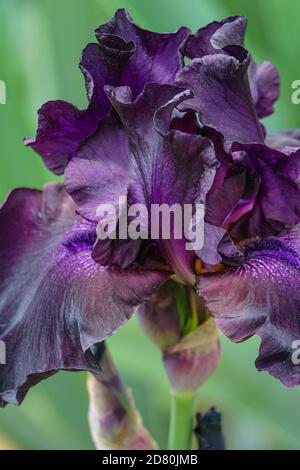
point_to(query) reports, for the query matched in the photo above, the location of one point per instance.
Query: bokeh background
(40, 44)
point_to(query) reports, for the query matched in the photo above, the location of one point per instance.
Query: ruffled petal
(217, 35)
(261, 296)
(135, 160)
(168, 166)
(157, 58)
(222, 94)
(62, 127)
(125, 55)
(141, 127)
(56, 302)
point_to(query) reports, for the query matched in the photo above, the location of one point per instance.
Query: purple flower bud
(178, 323)
(115, 422)
(194, 358)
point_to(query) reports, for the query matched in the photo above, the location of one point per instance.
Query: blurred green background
(40, 44)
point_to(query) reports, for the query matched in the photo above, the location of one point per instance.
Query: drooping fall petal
(261, 296)
(50, 312)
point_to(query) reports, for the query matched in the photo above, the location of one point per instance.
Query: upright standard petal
(222, 95)
(125, 55)
(50, 313)
(157, 58)
(217, 35)
(145, 142)
(167, 166)
(261, 296)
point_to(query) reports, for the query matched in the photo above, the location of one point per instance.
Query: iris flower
(171, 118)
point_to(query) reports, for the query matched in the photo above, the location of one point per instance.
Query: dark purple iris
(157, 131)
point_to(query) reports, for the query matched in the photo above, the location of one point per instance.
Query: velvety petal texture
(100, 171)
(234, 198)
(261, 296)
(217, 35)
(161, 166)
(157, 57)
(56, 302)
(145, 143)
(61, 129)
(277, 203)
(222, 94)
(157, 130)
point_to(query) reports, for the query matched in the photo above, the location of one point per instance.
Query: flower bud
(160, 319)
(193, 359)
(179, 324)
(114, 421)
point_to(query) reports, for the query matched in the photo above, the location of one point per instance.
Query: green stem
(182, 420)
